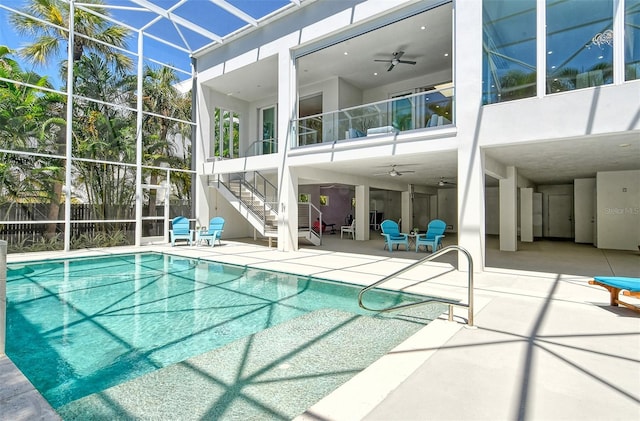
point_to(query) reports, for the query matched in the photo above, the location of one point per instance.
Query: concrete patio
(545, 345)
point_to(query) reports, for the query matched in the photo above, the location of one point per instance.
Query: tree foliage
(104, 120)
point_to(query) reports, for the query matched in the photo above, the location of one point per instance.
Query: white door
(268, 126)
(560, 216)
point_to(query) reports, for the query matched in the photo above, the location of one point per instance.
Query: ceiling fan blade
(391, 67)
(384, 61)
(407, 172)
(444, 182)
(398, 54)
(406, 62)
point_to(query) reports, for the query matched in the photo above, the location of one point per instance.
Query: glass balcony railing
(262, 147)
(424, 110)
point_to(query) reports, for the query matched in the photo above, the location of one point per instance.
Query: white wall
(448, 208)
(618, 210)
(381, 93)
(562, 189)
(547, 118)
(235, 226)
(526, 214)
(348, 95)
(421, 212)
(387, 202)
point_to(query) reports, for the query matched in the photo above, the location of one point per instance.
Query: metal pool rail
(451, 302)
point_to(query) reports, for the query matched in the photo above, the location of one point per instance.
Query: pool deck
(545, 345)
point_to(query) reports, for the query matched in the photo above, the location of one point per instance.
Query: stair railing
(451, 302)
(259, 187)
(307, 216)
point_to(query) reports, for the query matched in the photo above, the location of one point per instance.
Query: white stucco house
(516, 119)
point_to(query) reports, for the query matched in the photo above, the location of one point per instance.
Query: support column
(407, 210)
(69, 130)
(468, 119)
(362, 212)
(288, 210)
(139, 144)
(509, 211)
(287, 179)
(202, 145)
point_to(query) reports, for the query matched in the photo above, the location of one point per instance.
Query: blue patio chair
(180, 230)
(433, 237)
(213, 233)
(392, 235)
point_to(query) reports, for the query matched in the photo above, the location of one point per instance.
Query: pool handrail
(468, 305)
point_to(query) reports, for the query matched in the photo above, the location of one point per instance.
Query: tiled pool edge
(353, 400)
(19, 400)
(357, 397)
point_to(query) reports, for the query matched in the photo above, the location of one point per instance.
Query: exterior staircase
(256, 199)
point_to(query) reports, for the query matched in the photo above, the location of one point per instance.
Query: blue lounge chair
(392, 235)
(433, 237)
(213, 233)
(614, 284)
(180, 230)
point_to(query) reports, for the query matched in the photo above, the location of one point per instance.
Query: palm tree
(104, 132)
(48, 22)
(49, 40)
(24, 113)
(159, 134)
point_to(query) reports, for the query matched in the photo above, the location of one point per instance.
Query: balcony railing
(262, 147)
(418, 111)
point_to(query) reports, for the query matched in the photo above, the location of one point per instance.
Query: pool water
(77, 327)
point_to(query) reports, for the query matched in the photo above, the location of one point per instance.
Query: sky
(202, 13)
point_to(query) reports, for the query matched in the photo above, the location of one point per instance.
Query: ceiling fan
(395, 60)
(394, 173)
(444, 182)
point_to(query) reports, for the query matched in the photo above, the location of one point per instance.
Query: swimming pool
(78, 327)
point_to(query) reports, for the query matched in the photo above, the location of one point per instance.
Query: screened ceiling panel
(172, 29)
(192, 24)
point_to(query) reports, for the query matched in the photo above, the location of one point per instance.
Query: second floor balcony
(424, 110)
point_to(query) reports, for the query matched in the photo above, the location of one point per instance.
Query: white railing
(423, 110)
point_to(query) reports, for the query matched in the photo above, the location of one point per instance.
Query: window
(226, 133)
(310, 129)
(509, 44)
(632, 39)
(402, 112)
(579, 44)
